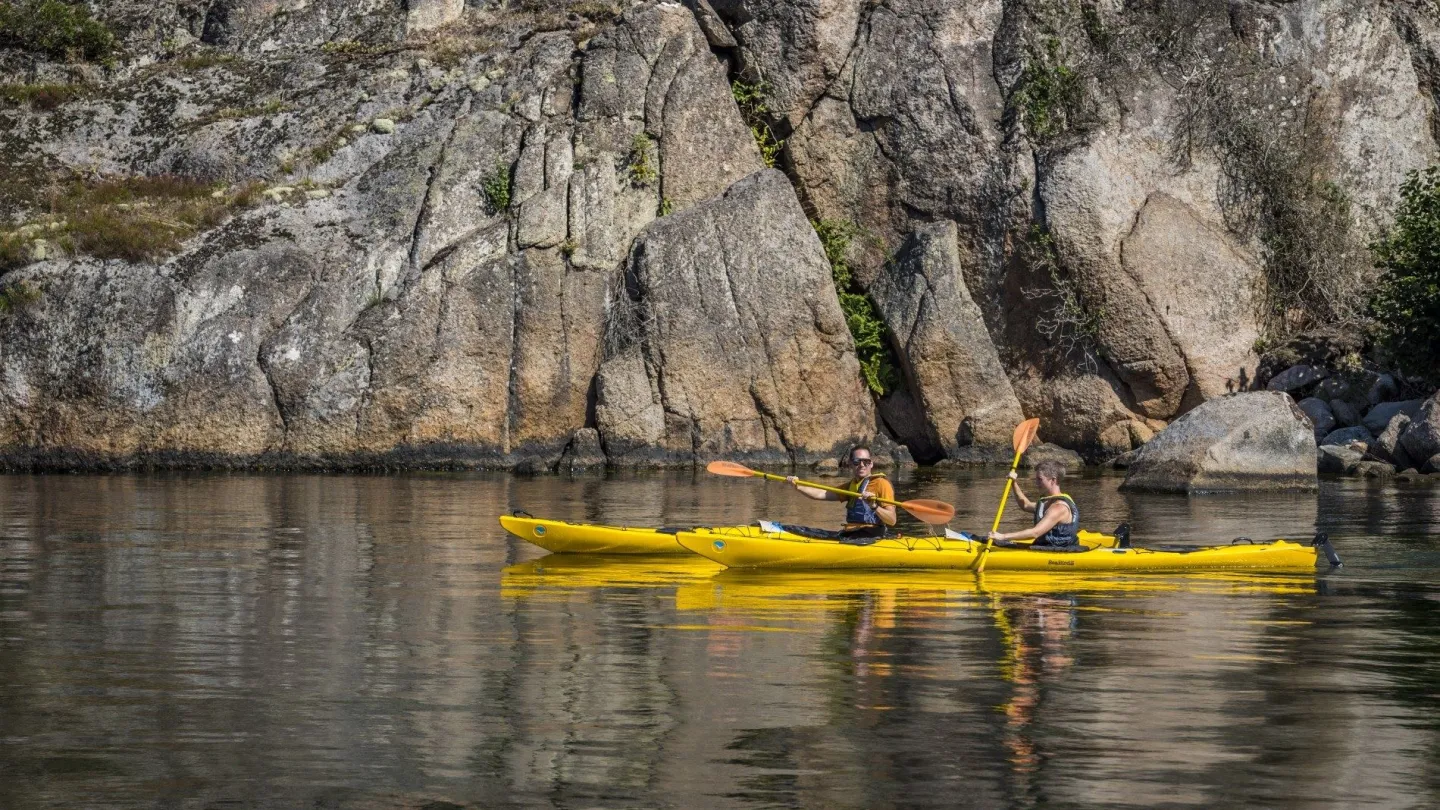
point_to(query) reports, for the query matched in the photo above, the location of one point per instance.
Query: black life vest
(860, 512)
(1062, 534)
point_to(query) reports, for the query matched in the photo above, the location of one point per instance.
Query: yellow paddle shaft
(1009, 482)
(836, 490)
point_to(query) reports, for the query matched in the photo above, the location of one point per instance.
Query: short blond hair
(1053, 470)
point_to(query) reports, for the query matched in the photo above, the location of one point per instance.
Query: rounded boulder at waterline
(1253, 441)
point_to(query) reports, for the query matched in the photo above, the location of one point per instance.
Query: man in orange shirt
(864, 518)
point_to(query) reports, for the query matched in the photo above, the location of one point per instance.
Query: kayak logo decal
(539, 531)
(719, 545)
(1062, 562)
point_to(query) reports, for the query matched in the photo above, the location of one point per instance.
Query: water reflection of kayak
(702, 585)
(787, 592)
(753, 547)
(557, 574)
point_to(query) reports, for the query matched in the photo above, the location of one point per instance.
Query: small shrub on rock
(1406, 299)
(641, 161)
(1069, 326)
(755, 109)
(17, 296)
(872, 345)
(496, 186)
(1051, 92)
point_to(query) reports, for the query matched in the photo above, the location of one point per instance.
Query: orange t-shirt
(880, 487)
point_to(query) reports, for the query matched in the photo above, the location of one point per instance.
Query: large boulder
(1345, 414)
(1347, 388)
(950, 361)
(1348, 436)
(1387, 446)
(1051, 452)
(1319, 415)
(1253, 441)
(1084, 412)
(1422, 438)
(1380, 415)
(1335, 460)
(716, 349)
(1370, 469)
(1296, 377)
(1203, 289)
(1382, 389)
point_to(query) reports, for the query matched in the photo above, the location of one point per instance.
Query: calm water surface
(378, 642)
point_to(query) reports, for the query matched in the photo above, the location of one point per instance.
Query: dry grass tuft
(132, 218)
(39, 96)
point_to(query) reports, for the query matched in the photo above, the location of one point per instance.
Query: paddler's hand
(1014, 476)
(994, 537)
(869, 497)
(792, 481)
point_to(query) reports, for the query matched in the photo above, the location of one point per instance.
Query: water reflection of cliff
(354, 642)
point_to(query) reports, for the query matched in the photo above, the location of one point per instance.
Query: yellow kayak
(590, 538)
(752, 547)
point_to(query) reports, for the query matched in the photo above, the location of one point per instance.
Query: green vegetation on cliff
(641, 161)
(496, 186)
(750, 98)
(1266, 126)
(1051, 92)
(872, 345)
(1406, 301)
(58, 29)
(1071, 328)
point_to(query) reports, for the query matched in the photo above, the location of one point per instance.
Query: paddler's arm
(1025, 504)
(1055, 514)
(886, 512)
(811, 492)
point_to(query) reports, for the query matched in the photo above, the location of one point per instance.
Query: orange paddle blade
(1025, 434)
(729, 468)
(932, 512)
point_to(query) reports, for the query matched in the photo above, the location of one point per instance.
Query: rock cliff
(452, 233)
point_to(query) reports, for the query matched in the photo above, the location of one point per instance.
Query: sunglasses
(859, 461)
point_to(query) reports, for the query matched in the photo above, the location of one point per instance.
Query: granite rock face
(1254, 441)
(950, 362)
(717, 350)
(402, 317)
(457, 286)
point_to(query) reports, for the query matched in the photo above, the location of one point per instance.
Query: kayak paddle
(936, 513)
(1024, 434)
